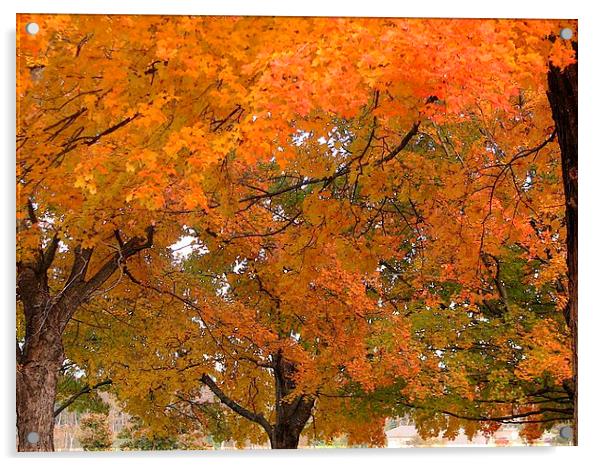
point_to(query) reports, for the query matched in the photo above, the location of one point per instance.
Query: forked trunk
(292, 412)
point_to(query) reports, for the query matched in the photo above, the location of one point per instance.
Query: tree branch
(499, 283)
(83, 391)
(344, 170)
(50, 252)
(294, 187)
(234, 406)
(128, 249)
(519, 418)
(90, 140)
(31, 212)
(79, 268)
(402, 145)
(290, 222)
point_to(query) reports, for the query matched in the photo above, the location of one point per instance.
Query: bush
(95, 433)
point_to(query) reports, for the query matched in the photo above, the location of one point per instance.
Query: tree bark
(36, 390)
(562, 95)
(291, 413)
(284, 437)
(38, 361)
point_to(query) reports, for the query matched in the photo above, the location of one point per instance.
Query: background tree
(267, 336)
(136, 437)
(95, 433)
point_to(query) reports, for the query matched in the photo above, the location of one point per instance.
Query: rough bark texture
(562, 95)
(37, 374)
(38, 361)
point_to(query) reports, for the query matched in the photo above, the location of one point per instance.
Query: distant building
(407, 436)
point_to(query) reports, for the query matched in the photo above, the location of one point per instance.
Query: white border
(433, 8)
(590, 265)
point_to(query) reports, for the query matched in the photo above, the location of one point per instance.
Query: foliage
(375, 203)
(72, 389)
(136, 436)
(95, 433)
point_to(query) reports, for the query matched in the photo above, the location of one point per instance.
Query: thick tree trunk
(284, 437)
(37, 376)
(38, 361)
(562, 95)
(291, 414)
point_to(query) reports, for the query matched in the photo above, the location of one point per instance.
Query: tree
(136, 437)
(562, 94)
(95, 433)
(421, 154)
(268, 334)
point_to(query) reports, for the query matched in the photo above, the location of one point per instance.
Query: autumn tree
(95, 433)
(267, 335)
(213, 128)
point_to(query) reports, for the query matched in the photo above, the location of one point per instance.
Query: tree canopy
(320, 221)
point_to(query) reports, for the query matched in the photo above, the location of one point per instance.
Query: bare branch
(129, 248)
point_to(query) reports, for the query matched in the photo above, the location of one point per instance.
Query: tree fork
(291, 414)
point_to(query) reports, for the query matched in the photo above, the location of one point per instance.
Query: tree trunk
(37, 377)
(38, 361)
(284, 437)
(291, 413)
(562, 95)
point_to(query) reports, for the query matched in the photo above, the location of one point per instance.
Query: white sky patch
(198, 321)
(185, 246)
(261, 255)
(224, 287)
(528, 183)
(239, 266)
(76, 371)
(300, 136)
(219, 367)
